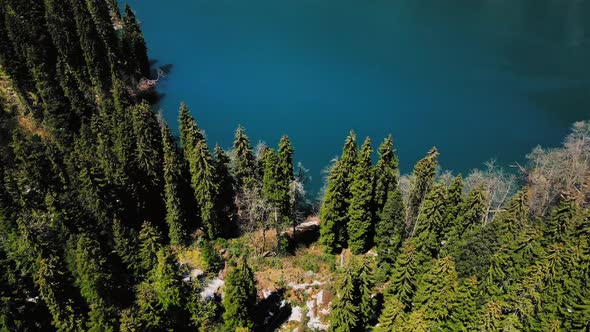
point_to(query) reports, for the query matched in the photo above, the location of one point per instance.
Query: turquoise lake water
(479, 79)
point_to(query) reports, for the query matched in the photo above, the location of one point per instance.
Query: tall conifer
(360, 225)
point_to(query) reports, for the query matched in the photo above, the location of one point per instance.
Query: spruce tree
(240, 298)
(190, 133)
(491, 317)
(150, 243)
(225, 207)
(385, 174)
(285, 177)
(422, 180)
(438, 291)
(453, 202)
(416, 321)
(360, 224)
(390, 227)
(203, 181)
(560, 225)
(333, 212)
(345, 315)
(393, 317)
(176, 215)
(134, 49)
(366, 282)
(465, 317)
(402, 283)
(244, 167)
(430, 223)
(472, 213)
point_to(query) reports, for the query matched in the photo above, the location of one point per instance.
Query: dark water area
(479, 79)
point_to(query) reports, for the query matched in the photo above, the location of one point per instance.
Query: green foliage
(133, 46)
(402, 284)
(385, 174)
(203, 181)
(150, 243)
(345, 314)
(334, 213)
(225, 207)
(390, 227)
(240, 297)
(393, 317)
(438, 292)
(422, 180)
(244, 167)
(429, 227)
(360, 226)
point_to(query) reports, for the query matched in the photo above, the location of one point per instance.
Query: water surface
(479, 79)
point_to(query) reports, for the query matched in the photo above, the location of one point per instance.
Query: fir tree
(285, 177)
(190, 133)
(472, 213)
(360, 225)
(422, 180)
(402, 283)
(333, 213)
(559, 227)
(453, 203)
(390, 227)
(385, 174)
(240, 298)
(491, 318)
(416, 321)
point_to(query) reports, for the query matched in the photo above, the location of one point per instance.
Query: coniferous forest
(109, 222)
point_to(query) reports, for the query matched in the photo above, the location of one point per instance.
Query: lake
(479, 79)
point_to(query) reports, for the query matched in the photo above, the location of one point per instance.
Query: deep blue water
(479, 79)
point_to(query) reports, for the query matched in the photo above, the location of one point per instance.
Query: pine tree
(134, 49)
(402, 283)
(360, 225)
(422, 180)
(225, 200)
(429, 225)
(438, 291)
(203, 181)
(390, 227)
(393, 317)
(385, 174)
(333, 213)
(345, 314)
(176, 215)
(244, 167)
(240, 298)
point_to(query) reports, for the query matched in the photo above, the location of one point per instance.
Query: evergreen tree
(244, 167)
(422, 180)
(429, 225)
(203, 181)
(491, 318)
(176, 215)
(134, 49)
(560, 225)
(333, 213)
(511, 222)
(190, 133)
(225, 200)
(393, 317)
(385, 174)
(438, 291)
(366, 283)
(285, 177)
(472, 213)
(240, 297)
(416, 321)
(402, 283)
(453, 203)
(149, 244)
(345, 314)
(360, 225)
(390, 227)
(465, 316)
